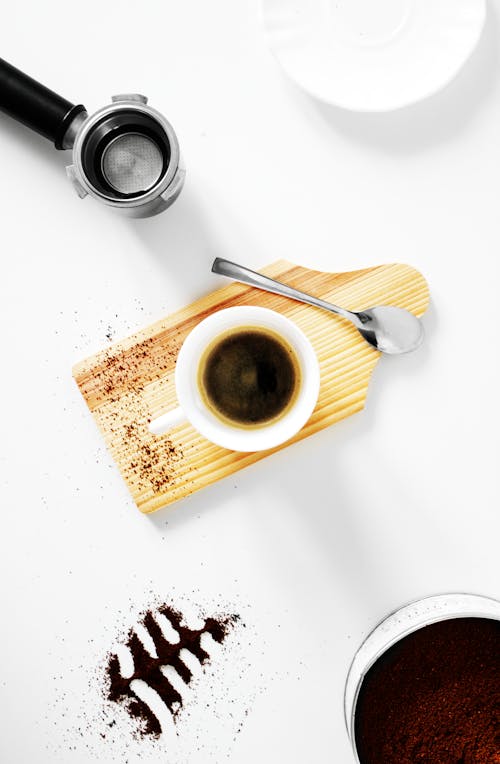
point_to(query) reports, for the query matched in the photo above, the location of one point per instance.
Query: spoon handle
(246, 276)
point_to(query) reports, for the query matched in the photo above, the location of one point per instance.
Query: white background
(318, 543)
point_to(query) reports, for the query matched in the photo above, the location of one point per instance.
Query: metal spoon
(389, 329)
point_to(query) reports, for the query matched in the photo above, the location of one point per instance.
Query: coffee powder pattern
(149, 668)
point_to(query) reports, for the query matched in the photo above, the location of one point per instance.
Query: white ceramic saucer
(372, 55)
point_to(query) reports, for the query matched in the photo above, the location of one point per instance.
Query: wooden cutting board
(132, 382)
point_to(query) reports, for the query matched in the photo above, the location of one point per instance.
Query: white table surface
(316, 544)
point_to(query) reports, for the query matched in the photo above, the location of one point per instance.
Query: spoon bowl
(391, 330)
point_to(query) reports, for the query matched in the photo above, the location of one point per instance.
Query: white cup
(192, 407)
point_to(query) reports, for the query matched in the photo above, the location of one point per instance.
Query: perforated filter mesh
(132, 163)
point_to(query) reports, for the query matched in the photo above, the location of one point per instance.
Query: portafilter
(125, 155)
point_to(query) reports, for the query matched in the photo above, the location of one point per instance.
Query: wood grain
(132, 382)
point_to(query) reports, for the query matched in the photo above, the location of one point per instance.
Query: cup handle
(165, 422)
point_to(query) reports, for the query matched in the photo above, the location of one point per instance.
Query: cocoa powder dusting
(148, 668)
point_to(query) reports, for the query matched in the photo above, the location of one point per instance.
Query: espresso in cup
(246, 377)
(249, 377)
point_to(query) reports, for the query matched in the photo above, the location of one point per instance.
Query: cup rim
(229, 436)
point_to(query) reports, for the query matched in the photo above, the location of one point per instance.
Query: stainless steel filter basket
(126, 155)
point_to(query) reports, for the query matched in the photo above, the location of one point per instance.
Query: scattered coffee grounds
(121, 379)
(149, 670)
(154, 459)
(123, 370)
(434, 697)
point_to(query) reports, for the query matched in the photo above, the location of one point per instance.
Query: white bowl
(372, 55)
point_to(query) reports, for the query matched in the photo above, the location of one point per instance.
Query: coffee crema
(249, 377)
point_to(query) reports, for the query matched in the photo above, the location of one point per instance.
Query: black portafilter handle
(36, 106)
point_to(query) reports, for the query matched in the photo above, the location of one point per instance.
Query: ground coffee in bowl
(424, 687)
(434, 697)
